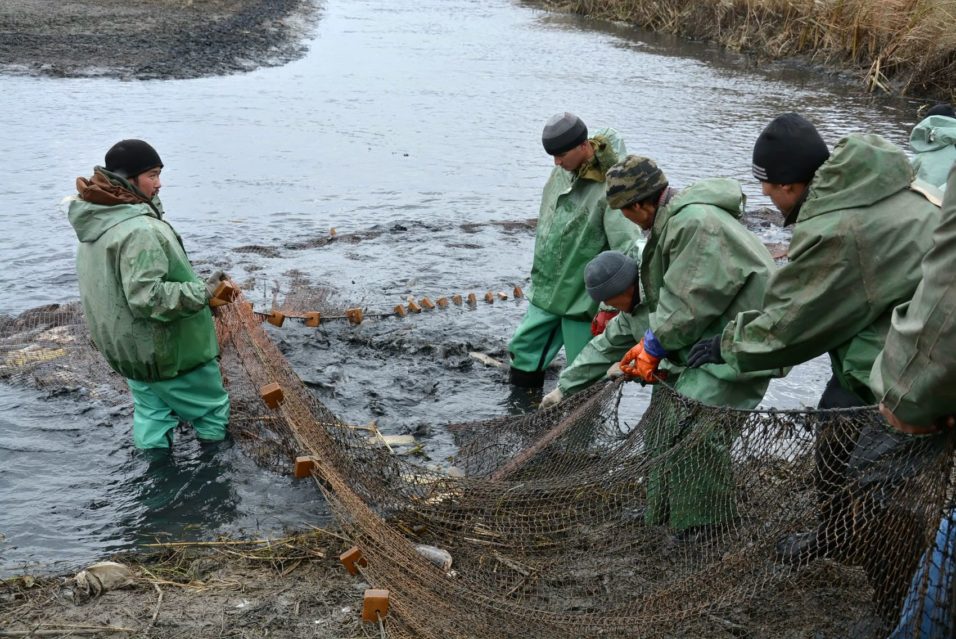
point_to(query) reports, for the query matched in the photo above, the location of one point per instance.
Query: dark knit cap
(942, 109)
(129, 158)
(609, 274)
(562, 133)
(789, 150)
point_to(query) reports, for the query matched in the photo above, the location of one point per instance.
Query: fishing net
(697, 521)
(49, 348)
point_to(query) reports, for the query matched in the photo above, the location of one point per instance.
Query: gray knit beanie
(609, 274)
(562, 133)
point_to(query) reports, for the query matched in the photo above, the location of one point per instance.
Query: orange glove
(640, 364)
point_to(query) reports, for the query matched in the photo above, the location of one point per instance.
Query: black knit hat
(562, 133)
(942, 109)
(129, 158)
(789, 150)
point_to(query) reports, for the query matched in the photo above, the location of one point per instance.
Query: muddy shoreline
(151, 39)
(287, 587)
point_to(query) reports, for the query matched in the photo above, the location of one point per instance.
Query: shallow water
(401, 125)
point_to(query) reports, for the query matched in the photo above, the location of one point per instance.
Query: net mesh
(566, 522)
(49, 348)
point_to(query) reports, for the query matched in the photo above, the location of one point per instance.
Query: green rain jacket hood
(574, 225)
(854, 255)
(146, 309)
(934, 141)
(699, 269)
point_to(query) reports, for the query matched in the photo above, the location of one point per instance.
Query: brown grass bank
(287, 588)
(898, 46)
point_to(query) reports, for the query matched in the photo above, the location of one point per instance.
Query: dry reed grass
(899, 46)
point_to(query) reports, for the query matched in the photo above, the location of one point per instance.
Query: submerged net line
(554, 520)
(302, 306)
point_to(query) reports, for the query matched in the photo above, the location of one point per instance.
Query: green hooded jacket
(854, 255)
(699, 269)
(147, 310)
(915, 375)
(574, 225)
(934, 141)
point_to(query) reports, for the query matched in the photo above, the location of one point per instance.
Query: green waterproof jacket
(934, 141)
(147, 310)
(574, 225)
(699, 269)
(915, 375)
(854, 255)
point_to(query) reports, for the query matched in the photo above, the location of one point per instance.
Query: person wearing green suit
(699, 268)
(147, 310)
(914, 378)
(861, 225)
(574, 225)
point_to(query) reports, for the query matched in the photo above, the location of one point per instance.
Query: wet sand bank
(150, 39)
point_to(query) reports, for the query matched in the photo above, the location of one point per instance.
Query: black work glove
(706, 351)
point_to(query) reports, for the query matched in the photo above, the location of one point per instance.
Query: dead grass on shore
(290, 587)
(899, 46)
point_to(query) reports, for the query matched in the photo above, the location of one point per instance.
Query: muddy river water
(412, 127)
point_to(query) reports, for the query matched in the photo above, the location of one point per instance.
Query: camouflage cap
(631, 180)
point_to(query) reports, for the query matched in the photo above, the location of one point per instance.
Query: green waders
(197, 397)
(539, 338)
(689, 481)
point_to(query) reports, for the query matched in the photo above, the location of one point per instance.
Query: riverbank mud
(294, 587)
(286, 587)
(150, 39)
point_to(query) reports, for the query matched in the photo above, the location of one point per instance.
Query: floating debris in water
(487, 360)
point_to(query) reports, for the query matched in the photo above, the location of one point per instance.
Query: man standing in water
(860, 230)
(574, 225)
(147, 311)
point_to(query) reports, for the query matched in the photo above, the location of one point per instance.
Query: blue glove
(652, 346)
